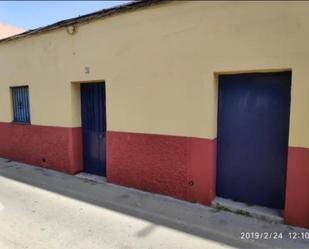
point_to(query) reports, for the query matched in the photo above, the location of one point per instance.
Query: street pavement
(41, 208)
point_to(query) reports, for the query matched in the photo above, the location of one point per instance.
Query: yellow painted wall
(160, 65)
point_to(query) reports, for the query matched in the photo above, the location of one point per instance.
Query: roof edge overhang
(88, 18)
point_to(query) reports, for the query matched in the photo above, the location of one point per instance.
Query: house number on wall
(87, 70)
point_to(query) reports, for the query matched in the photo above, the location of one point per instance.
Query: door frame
(76, 112)
(216, 121)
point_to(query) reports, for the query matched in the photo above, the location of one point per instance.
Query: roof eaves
(88, 17)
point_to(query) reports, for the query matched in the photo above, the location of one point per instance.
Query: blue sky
(34, 14)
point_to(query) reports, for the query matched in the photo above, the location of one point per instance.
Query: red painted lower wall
(181, 167)
(297, 191)
(56, 148)
(201, 163)
(185, 168)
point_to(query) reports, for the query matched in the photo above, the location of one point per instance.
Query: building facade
(155, 74)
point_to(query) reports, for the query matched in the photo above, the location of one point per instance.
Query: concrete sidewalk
(41, 208)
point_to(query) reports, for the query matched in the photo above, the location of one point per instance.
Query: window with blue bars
(21, 107)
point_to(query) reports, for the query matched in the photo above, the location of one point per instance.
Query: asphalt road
(40, 208)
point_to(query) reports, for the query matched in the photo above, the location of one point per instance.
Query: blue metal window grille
(21, 108)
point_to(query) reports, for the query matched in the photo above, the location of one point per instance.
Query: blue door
(253, 128)
(93, 127)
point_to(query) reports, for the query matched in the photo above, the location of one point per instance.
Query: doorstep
(264, 213)
(91, 177)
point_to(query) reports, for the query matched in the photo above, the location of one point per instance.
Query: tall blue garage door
(93, 127)
(253, 128)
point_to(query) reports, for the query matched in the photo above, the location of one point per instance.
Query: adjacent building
(8, 30)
